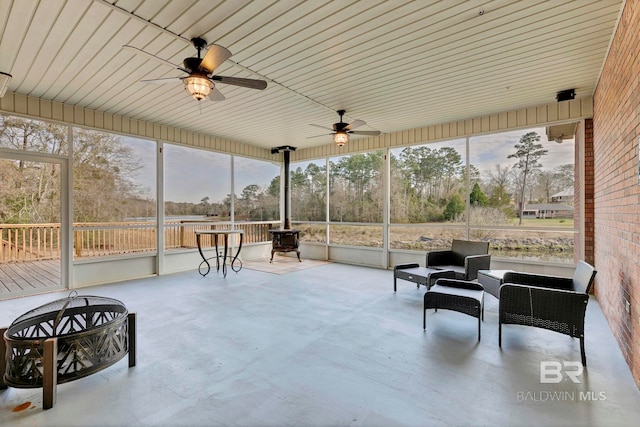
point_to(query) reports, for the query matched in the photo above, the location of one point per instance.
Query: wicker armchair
(465, 258)
(549, 302)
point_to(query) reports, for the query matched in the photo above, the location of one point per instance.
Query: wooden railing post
(77, 243)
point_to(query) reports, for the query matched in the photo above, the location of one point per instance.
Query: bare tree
(498, 186)
(546, 185)
(104, 171)
(528, 152)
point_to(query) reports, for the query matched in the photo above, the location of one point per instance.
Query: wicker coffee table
(420, 275)
(491, 280)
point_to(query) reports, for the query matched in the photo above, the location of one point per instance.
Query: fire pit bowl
(65, 340)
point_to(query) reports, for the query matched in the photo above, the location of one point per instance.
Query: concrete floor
(331, 345)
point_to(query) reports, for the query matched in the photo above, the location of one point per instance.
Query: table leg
(236, 256)
(215, 237)
(203, 258)
(224, 258)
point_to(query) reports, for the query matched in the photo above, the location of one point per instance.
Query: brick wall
(616, 129)
(589, 175)
(577, 194)
(584, 136)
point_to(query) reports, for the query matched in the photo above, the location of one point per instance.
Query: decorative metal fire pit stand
(65, 340)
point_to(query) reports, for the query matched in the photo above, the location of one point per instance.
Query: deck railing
(31, 242)
(181, 234)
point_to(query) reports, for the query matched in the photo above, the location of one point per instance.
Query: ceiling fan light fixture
(341, 138)
(198, 87)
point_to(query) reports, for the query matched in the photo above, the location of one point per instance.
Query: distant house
(530, 213)
(547, 210)
(565, 196)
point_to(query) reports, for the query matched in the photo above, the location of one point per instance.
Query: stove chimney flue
(286, 150)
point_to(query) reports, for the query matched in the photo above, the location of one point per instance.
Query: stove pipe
(286, 149)
(287, 208)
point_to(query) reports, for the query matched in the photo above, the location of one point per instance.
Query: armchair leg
(499, 334)
(481, 314)
(424, 318)
(582, 353)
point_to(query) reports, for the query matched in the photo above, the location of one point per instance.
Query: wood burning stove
(285, 241)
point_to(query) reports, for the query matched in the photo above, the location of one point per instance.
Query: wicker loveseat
(549, 302)
(465, 258)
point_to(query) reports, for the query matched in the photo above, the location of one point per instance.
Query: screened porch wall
(146, 265)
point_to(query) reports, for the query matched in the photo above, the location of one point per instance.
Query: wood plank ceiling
(395, 64)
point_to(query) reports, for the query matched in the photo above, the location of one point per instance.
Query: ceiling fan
(199, 82)
(342, 130)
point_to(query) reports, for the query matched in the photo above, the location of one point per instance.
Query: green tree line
(427, 184)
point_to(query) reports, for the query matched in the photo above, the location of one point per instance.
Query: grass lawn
(546, 222)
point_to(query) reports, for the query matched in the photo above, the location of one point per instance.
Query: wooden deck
(21, 278)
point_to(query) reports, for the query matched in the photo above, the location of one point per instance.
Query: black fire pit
(65, 340)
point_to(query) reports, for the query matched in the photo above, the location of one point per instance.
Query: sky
(191, 174)
(487, 151)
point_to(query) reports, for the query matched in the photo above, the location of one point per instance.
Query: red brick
(615, 188)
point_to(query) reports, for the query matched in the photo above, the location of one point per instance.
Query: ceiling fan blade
(216, 95)
(365, 132)
(322, 127)
(162, 80)
(238, 81)
(215, 56)
(356, 124)
(153, 57)
(318, 136)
